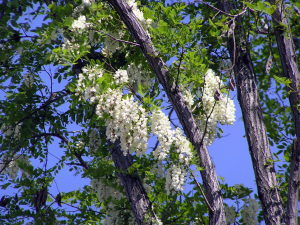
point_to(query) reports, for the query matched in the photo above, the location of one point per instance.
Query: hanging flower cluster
(12, 131)
(168, 138)
(188, 98)
(70, 46)
(82, 6)
(161, 127)
(127, 121)
(94, 141)
(218, 108)
(175, 179)
(80, 24)
(106, 193)
(137, 75)
(121, 76)
(11, 166)
(87, 87)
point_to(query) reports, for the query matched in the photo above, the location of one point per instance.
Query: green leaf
(282, 80)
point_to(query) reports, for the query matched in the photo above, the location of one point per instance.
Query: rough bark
(290, 70)
(254, 125)
(209, 177)
(136, 194)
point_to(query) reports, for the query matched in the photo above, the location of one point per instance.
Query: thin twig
(178, 68)
(169, 116)
(201, 190)
(221, 11)
(120, 40)
(65, 140)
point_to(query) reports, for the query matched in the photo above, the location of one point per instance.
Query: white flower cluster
(80, 24)
(175, 179)
(86, 84)
(137, 76)
(56, 33)
(87, 3)
(182, 147)
(138, 13)
(110, 195)
(220, 110)
(128, 121)
(104, 191)
(121, 76)
(10, 131)
(160, 126)
(188, 98)
(71, 46)
(12, 169)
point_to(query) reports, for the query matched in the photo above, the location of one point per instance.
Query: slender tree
(253, 119)
(290, 69)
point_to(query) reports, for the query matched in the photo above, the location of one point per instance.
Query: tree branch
(65, 141)
(191, 129)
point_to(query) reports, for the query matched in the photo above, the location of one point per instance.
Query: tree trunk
(136, 194)
(254, 126)
(209, 177)
(290, 70)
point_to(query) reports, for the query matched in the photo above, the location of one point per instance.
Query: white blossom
(175, 179)
(107, 193)
(14, 131)
(161, 127)
(71, 46)
(182, 146)
(80, 24)
(188, 98)
(87, 86)
(138, 13)
(221, 110)
(94, 141)
(137, 76)
(10, 166)
(128, 121)
(87, 3)
(12, 169)
(121, 76)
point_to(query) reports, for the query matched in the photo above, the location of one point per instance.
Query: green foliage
(39, 107)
